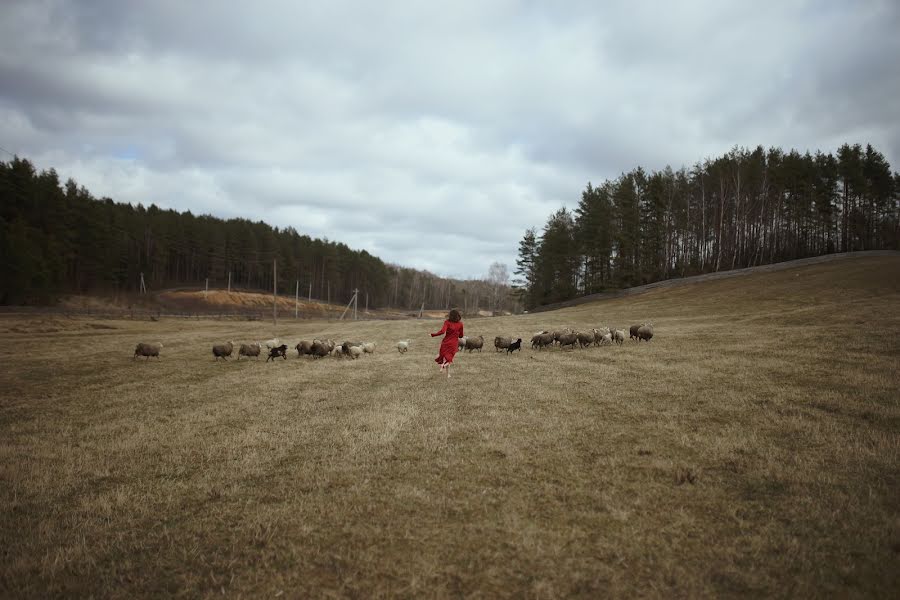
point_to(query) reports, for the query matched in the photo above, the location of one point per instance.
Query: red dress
(450, 344)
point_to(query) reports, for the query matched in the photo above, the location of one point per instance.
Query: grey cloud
(370, 123)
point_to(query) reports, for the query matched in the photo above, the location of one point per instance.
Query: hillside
(750, 449)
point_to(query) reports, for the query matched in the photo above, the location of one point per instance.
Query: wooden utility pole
(346, 308)
(310, 292)
(206, 291)
(355, 302)
(422, 310)
(275, 292)
(229, 282)
(296, 299)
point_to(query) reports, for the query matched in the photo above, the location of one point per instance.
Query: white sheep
(403, 346)
(274, 342)
(369, 347)
(619, 336)
(355, 352)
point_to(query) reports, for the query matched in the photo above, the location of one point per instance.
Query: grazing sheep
(369, 347)
(606, 338)
(148, 350)
(273, 343)
(561, 332)
(403, 346)
(516, 345)
(645, 332)
(303, 347)
(619, 336)
(355, 351)
(502, 343)
(634, 331)
(462, 343)
(278, 351)
(473, 343)
(585, 338)
(249, 350)
(541, 340)
(223, 351)
(568, 339)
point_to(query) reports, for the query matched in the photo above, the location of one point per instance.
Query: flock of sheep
(318, 348)
(595, 337)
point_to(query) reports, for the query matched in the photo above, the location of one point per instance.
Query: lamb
(606, 338)
(223, 351)
(502, 343)
(303, 347)
(645, 332)
(278, 351)
(403, 346)
(369, 347)
(249, 350)
(568, 339)
(585, 338)
(462, 343)
(542, 339)
(273, 343)
(473, 343)
(619, 336)
(634, 331)
(516, 345)
(355, 351)
(148, 350)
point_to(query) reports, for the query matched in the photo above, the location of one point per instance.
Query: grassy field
(752, 448)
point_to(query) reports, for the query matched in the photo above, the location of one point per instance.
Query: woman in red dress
(453, 327)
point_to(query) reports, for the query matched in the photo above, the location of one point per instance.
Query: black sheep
(278, 351)
(516, 345)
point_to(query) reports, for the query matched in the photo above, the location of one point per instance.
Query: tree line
(745, 208)
(57, 239)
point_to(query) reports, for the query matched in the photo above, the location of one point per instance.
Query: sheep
(319, 349)
(585, 338)
(273, 343)
(403, 346)
(645, 332)
(542, 339)
(369, 347)
(516, 345)
(276, 352)
(473, 343)
(619, 336)
(598, 335)
(249, 350)
(462, 343)
(634, 331)
(560, 332)
(606, 338)
(502, 343)
(223, 351)
(355, 351)
(303, 347)
(568, 339)
(148, 350)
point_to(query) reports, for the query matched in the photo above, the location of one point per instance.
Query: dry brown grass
(750, 449)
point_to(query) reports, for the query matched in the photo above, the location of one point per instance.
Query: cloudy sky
(431, 134)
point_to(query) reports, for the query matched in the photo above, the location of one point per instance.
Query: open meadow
(752, 448)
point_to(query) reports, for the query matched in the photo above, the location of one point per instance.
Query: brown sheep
(223, 351)
(645, 332)
(473, 343)
(568, 339)
(634, 331)
(148, 350)
(249, 350)
(585, 338)
(542, 339)
(303, 347)
(502, 343)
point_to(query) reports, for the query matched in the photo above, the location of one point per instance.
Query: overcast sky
(430, 134)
